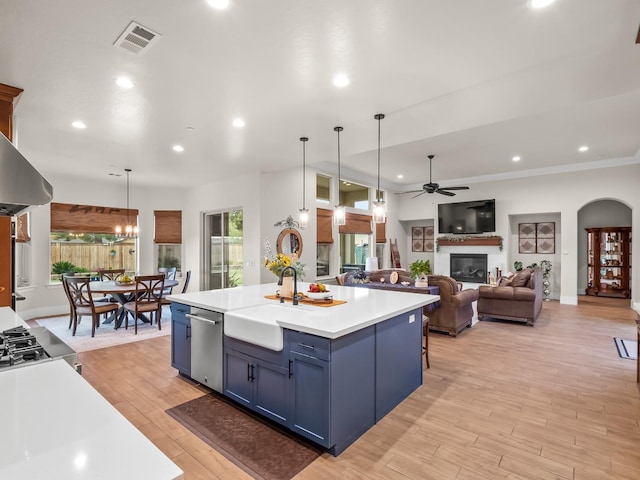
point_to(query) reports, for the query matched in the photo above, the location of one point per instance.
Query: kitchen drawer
(179, 311)
(310, 345)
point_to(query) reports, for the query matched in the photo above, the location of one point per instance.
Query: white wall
(560, 195)
(268, 198)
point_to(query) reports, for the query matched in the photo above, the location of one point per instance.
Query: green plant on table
(420, 268)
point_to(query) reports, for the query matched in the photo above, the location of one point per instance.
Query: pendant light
(303, 219)
(129, 230)
(379, 215)
(339, 214)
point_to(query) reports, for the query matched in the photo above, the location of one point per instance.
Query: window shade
(168, 226)
(324, 220)
(356, 223)
(73, 218)
(381, 232)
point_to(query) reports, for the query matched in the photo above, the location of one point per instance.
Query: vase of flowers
(277, 263)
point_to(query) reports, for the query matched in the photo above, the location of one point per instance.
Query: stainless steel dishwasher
(206, 347)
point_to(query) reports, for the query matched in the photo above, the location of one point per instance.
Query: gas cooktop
(20, 346)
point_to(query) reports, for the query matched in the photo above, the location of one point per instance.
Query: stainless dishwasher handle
(203, 319)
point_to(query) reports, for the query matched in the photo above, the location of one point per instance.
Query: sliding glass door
(223, 249)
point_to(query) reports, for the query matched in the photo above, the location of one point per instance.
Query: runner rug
(258, 447)
(626, 348)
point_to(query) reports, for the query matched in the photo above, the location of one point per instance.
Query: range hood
(21, 186)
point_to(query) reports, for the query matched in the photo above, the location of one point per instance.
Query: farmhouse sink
(259, 325)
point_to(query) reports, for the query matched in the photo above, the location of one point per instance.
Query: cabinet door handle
(188, 331)
(248, 372)
(252, 375)
(308, 347)
(290, 369)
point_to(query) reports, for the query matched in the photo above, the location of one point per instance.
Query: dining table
(122, 293)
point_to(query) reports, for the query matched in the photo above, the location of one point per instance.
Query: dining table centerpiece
(278, 262)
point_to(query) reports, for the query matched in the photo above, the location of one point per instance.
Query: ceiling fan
(434, 187)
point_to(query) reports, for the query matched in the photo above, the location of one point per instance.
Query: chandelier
(129, 229)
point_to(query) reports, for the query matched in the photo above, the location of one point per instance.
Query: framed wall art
(422, 239)
(537, 237)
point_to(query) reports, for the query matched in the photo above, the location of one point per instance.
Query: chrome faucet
(295, 284)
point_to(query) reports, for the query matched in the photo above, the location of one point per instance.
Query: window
(354, 195)
(355, 237)
(168, 238)
(323, 189)
(83, 239)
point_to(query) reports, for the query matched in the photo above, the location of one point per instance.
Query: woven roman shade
(356, 223)
(324, 219)
(381, 232)
(168, 226)
(73, 218)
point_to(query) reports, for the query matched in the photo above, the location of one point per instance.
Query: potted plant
(419, 270)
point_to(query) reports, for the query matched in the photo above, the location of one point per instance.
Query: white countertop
(364, 306)
(56, 426)
(10, 319)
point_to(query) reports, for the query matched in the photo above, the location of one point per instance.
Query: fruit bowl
(318, 295)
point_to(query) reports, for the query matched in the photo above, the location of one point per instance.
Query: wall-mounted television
(467, 217)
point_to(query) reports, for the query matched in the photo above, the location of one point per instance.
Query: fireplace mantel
(470, 241)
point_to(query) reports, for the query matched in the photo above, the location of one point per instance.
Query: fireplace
(468, 267)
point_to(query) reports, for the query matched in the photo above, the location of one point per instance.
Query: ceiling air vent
(136, 38)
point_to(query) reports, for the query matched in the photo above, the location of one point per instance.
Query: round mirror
(289, 241)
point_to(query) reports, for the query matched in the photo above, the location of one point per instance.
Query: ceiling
(473, 82)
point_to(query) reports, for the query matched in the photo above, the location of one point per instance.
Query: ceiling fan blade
(455, 188)
(444, 192)
(409, 191)
(423, 192)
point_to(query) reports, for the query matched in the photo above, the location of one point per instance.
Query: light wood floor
(500, 401)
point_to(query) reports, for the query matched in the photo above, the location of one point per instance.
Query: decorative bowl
(318, 295)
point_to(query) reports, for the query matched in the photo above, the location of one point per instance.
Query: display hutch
(609, 261)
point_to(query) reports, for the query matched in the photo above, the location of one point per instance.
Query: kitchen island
(328, 373)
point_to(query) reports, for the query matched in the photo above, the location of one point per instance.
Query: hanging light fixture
(129, 230)
(339, 215)
(303, 219)
(379, 215)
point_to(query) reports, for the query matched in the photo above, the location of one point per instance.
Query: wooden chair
(169, 274)
(148, 299)
(72, 309)
(187, 279)
(111, 275)
(79, 293)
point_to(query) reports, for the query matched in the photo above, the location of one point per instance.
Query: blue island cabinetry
(330, 391)
(181, 338)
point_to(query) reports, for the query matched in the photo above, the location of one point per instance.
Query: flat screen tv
(467, 217)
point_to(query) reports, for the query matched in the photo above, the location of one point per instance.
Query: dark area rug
(260, 448)
(626, 348)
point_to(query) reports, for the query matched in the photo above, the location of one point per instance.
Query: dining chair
(187, 279)
(148, 299)
(169, 274)
(81, 299)
(72, 308)
(111, 275)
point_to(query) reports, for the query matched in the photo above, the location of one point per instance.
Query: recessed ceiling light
(583, 148)
(341, 80)
(218, 4)
(238, 123)
(400, 176)
(540, 3)
(124, 82)
(79, 124)
(516, 158)
(178, 148)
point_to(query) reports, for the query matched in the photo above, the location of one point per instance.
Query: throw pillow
(521, 279)
(360, 277)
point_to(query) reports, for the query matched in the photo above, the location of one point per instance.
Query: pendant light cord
(338, 129)
(304, 140)
(127, 170)
(378, 117)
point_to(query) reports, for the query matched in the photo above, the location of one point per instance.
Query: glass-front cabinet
(609, 262)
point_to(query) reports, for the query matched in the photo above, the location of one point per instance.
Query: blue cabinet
(258, 379)
(181, 338)
(398, 362)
